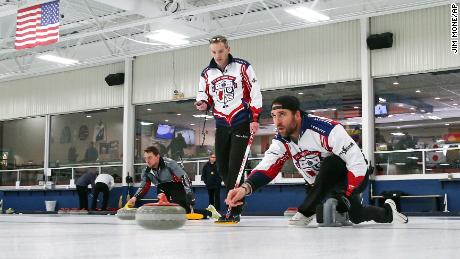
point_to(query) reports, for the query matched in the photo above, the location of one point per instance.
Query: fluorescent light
(396, 83)
(444, 164)
(356, 107)
(300, 93)
(382, 100)
(412, 108)
(455, 104)
(168, 37)
(418, 91)
(397, 133)
(179, 114)
(144, 123)
(56, 59)
(192, 124)
(413, 157)
(307, 14)
(88, 116)
(202, 116)
(148, 109)
(437, 98)
(447, 124)
(166, 120)
(400, 163)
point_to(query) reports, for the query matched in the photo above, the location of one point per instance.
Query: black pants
(101, 187)
(231, 143)
(175, 193)
(83, 196)
(214, 197)
(332, 182)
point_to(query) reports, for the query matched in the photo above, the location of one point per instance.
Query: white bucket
(50, 205)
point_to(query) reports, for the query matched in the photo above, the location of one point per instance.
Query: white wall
(78, 90)
(307, 56)
(421, 42)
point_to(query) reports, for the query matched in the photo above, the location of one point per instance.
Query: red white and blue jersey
(234, 92)
(319, 137)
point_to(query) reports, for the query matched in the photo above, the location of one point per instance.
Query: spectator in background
(162, 148)
(104, 184)
(91, 154)
(82, 183)
(177, 147)
(210, 176)
(72, 154)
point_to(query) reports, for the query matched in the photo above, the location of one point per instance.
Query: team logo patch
(308, 161)
(224, 88)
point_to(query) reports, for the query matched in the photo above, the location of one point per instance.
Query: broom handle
(243, 165)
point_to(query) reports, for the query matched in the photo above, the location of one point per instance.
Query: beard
(287, 131)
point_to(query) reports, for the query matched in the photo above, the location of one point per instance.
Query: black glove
(190, 198)
(344, 204)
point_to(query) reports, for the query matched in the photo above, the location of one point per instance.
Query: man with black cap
(328, 159)
(229, 86)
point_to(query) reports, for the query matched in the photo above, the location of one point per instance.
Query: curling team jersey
(168, 171)
(319, 137)
(234, 92)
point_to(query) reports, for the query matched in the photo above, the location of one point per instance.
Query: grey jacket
(168, 171)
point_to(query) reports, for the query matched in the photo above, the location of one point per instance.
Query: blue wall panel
(269, 200)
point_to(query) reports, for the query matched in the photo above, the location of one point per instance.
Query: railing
(418, 161)
(402, 164)
(63, 177)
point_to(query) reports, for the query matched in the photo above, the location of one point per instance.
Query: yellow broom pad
(194, 216)
(226, 222)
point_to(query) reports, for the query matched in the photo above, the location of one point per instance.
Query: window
(22, 145)
(422, 123)
(86, 138)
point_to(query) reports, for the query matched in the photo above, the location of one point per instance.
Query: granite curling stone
(126, 213)
(161, 215)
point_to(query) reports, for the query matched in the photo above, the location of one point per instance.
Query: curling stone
(161, 215)
(290, 212)
(327, 215)
(126, 213)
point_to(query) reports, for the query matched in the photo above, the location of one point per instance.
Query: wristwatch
(247, 187)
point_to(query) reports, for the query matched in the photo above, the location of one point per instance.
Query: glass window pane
(22, 143)
(419, 111)
(86, 138)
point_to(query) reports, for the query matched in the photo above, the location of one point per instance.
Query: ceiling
(106, 31)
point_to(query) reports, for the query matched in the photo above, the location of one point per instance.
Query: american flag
(37, 25)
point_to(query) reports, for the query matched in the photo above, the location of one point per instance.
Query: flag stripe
(30, 14)
(36, 37)
(39, 31)
(23, 10)
(27, 23)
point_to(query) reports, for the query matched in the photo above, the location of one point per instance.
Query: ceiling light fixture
(307, 14)
(57, 59)
(168, 37)
(144, 123)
